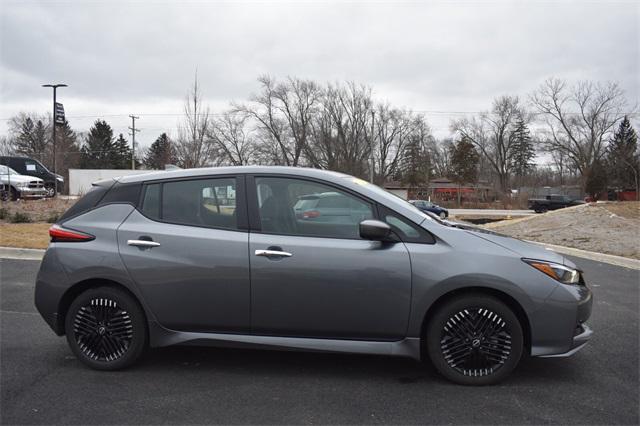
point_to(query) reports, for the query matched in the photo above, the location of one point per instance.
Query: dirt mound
(611, 228)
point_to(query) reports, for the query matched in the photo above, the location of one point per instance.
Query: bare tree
(342, 134)
(284, 112)
(493, 135)
(439, 153)
(193, 146)
(579, 119)
(233, 137)
(393, 129)
(7, 145)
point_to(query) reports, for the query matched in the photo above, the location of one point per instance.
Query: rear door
(186, 248)
(314, 276)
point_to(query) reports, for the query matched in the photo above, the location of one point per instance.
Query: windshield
(391, 196)
(4, 170)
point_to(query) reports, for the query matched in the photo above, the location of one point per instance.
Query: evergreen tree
(415, 164)
(523, 151)
(121, 154)
(67, 150)
(98, 149)
(463, 163)
(33, 137)
(622, 158)
(597, 180)
(160, 153)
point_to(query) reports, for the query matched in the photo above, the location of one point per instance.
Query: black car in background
(430, 207)
(552, 202)
(53, 183)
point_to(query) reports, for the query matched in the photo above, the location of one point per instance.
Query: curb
(591, 255)
(21, 253)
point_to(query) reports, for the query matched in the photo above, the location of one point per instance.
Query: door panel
(197, 279)
(330, 287)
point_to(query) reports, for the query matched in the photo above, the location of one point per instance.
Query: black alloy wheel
(106, 328)
(475, 340)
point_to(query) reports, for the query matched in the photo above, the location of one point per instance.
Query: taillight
(59, 234)
(310, 214)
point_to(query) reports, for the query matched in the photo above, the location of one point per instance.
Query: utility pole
(133, 140)
(54, 86)
(373, 117)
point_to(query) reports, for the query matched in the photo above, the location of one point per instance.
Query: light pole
(54, 86)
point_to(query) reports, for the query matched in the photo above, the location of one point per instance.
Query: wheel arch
(505, 298)
(80, 287)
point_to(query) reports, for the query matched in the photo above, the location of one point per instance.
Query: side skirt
(407, 347)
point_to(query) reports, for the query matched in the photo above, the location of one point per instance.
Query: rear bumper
(51, 285)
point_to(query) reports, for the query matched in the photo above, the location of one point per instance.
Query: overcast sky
(124, 57)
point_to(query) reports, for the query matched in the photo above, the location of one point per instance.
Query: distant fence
(80, 180)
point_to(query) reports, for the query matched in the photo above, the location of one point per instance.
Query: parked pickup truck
(552, 202)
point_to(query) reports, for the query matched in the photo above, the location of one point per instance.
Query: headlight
(59, 178)
(558, 272)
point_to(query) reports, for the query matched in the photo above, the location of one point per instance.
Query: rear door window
(197, 202)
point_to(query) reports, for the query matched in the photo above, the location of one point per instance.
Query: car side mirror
(375, 230)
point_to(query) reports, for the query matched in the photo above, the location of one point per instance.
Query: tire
(474, 339)
(106, 328)
(443, 215)
(13, 194)
(51, 190)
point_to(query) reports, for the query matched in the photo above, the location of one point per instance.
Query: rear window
(87, 202)
(119, 193)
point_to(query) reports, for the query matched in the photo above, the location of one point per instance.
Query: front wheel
(51, 190)
(106, 328)
(474, 340)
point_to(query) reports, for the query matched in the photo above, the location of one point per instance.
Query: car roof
(208, 171)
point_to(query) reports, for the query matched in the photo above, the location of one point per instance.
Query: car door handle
(272, 253)
(142, 243)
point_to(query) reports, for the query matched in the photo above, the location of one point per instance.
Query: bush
(4, 213)
(20, 218)
(53, 218)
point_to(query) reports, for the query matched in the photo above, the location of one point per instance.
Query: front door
(311, 273)
(185, 251)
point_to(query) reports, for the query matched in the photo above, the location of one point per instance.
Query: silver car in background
(15, 185)
(234, 256)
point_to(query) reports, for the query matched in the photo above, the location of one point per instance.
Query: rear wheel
(474, 340)
(106, 328)
(443, 215)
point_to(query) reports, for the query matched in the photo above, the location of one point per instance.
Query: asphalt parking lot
(42, 383)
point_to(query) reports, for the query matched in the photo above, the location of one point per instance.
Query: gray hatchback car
(220, 256)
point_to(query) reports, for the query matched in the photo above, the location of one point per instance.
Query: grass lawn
(24, 235)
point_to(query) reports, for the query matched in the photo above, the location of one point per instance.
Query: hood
(519, 247)
(20, 178)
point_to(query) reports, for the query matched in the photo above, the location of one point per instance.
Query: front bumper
(558, 327)
(26, 192)
(579, 341)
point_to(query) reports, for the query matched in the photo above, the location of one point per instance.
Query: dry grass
(44, 210)
(627, 209)
(24, 235)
